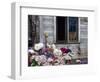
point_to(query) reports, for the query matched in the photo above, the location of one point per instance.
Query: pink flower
(65, 50)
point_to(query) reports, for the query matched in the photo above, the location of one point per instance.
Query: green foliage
(34, 63)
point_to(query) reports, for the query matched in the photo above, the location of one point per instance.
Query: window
(66, 29)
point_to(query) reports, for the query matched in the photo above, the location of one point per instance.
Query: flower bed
(43, 55)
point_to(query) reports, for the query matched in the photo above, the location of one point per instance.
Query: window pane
(60, 23)
(73, 29)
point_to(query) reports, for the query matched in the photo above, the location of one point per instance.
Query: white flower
(57, 52)
(37, 58)
(67, 57)
(53, 46)
(60, 52)
(38, 46)
(31, 51)
(78, 61)
(41, 45)
(43, 58)
(40, 59)
(50, 60)
(48, 45)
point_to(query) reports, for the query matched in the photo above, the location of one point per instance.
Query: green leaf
(34, 63)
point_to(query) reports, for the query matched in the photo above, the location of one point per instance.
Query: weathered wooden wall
(47, 24)
(83, 36)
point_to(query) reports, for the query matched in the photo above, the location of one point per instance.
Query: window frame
(66, 41)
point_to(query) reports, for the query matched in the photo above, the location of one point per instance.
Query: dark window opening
(61, 29)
